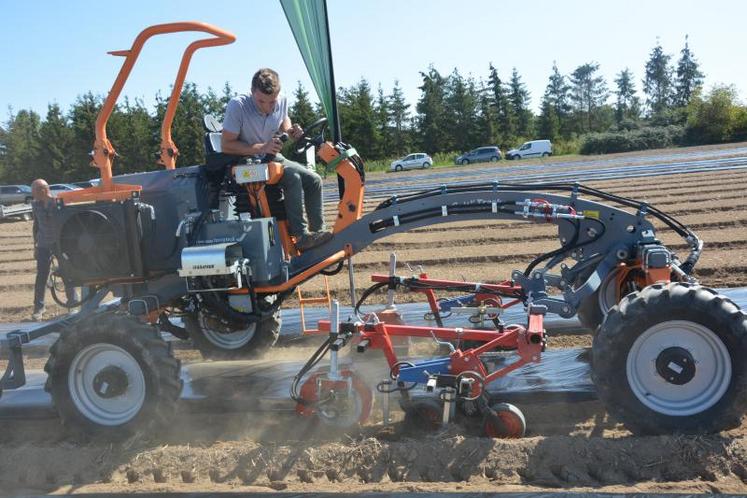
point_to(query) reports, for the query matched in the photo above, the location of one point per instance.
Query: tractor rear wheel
(111, 375)
(670, 358)
(217, 341)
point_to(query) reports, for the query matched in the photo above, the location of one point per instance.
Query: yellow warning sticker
(591, 214)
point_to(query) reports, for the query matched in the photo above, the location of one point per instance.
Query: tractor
(209, 244)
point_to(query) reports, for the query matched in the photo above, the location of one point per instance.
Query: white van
(535, 148)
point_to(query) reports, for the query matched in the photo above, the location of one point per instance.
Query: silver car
(412, 161)
(15, 194)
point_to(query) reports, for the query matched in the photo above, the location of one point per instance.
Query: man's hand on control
(295, 132)
(273, 146)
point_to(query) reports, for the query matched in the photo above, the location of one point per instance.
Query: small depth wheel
(346, 404)
(504, 420)
(670, 358)
(423, 415)
(111, 375)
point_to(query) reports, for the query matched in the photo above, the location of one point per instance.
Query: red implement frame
(483, 292)
(103, 150)
(528, 342)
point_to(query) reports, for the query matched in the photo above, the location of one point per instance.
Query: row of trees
(454, 113)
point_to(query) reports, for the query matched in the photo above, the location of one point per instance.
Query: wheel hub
(676, 365)
(110, 382)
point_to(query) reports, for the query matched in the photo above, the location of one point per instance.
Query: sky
(52, 51)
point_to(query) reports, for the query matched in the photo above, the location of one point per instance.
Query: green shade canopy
(308, 21)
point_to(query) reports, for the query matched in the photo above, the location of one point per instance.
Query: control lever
(283, 137)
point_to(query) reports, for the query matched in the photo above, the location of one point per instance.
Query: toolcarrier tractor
(209, 243)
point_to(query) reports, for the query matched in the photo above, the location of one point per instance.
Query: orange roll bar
(103, 151)
(169, 151)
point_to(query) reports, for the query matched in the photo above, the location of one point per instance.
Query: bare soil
(569, 446)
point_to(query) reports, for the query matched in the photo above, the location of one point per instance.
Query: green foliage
(628, 105)
(399, 117)
(431, 112)
(453, 113)
(689, 77)
(556, 106)
(657, 84)
(626, 141)
(519, 99)
(588, 94)
(302, 112)
(716, 118)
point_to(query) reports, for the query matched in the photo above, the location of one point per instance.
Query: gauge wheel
(504, 420)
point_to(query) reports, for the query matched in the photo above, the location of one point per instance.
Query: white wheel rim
(712, 368)
(227, 340)
(107, 411)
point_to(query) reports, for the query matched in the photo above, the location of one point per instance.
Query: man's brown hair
(266, 81)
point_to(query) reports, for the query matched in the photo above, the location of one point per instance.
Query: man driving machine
(251, 127)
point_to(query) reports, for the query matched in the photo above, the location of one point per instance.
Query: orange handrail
(103, 151)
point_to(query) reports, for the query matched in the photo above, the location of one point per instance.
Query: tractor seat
(215, 159)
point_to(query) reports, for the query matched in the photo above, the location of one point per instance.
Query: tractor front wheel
(111, 375)
(670, 358)
(217, 341)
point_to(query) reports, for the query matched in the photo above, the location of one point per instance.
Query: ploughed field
(571, 446)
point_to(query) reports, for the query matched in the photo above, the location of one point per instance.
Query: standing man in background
(43, 208)
(250, 128)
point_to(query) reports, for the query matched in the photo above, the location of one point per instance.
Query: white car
(535, 148)
(412, 161)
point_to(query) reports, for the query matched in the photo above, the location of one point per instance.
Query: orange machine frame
(103, 150)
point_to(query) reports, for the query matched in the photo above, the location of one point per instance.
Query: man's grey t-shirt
(254, 127)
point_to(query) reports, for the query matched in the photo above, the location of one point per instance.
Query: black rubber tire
(545, 154)
(144, 343)
(27, 217)
(265, 336)
(426, 165)
(398, 167)
(494, 159)
(635, 315)
(465, 162)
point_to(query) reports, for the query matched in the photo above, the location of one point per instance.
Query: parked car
(535, 148)
(412, 161)
(479, 155)
(15, 194)
(61, 187)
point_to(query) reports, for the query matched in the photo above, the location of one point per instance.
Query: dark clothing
(43, 257)
(44, 241)
(43, 223)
